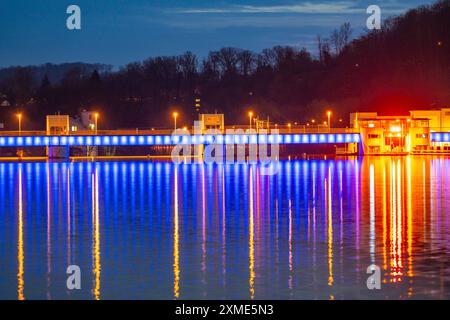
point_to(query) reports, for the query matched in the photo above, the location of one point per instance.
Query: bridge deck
(165, 138)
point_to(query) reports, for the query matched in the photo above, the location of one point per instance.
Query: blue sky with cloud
(118, 31)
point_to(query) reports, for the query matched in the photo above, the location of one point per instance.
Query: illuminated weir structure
(423, 133)
(99, 140)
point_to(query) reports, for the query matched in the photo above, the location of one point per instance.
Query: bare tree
(188, 65)
(246, 61)
(340, 37)
(323, 46)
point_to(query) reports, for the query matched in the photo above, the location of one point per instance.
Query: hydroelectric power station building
(422, 132)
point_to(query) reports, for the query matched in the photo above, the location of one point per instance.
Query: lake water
(156, 230)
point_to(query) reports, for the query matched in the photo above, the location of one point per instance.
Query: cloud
(340, 7)
(263, 22)
(306, 7)
(323, 14)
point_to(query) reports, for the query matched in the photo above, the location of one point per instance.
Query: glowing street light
(175, 116)
(96, 122)
(19, 116)
(289, 126)
(329, 120)
(250, 116)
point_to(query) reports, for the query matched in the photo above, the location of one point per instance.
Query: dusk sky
(117, 32)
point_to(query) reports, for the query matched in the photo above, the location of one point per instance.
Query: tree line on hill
(404, 65)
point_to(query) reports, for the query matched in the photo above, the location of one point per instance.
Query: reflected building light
(424, 193)
(396, 224)
(314, 178)
(251, 239)
(277, 244)
(341, 221)
(203, 262)
(291, 263)
(68, 219)
(330, 228)
(372, 213)
(410, 225)
(49, 244)
(96, 236)
(399, 245)
(20, 252)
(224, 243)
(392, 223)
(176, 254)
(384, 192)
(358, 216)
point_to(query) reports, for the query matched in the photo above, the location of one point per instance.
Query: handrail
(130, 132)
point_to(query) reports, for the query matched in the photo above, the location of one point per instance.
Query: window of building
(421, 136)
(374, 136)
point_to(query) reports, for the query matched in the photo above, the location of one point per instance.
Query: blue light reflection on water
(161, 231)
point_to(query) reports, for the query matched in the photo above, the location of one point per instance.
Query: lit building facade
(402, 134)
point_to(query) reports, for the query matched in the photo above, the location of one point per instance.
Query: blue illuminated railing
(166, 140)
(440, 137)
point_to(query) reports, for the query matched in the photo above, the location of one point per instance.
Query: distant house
(4, 101)
(83, 122)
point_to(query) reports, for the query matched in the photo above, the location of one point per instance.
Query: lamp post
(19, 116)
(250, 115)
(329, 120)
(289, 126)
(175, 115)
(96, 122)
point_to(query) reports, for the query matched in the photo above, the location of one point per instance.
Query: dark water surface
(146, 230)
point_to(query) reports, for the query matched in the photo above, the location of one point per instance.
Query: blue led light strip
(440, 137)
(43, 141)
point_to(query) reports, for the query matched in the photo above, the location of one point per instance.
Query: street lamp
(175, 115)
(329, 120)
(96, 122)
(19, 116)
(250, 115)
(289, 126)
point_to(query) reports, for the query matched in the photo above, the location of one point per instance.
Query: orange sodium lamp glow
(96, 120)
(19, 116)
(329, 119)
(175, 116)
(250, 115)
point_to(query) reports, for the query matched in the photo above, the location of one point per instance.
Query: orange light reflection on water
(20, 253)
